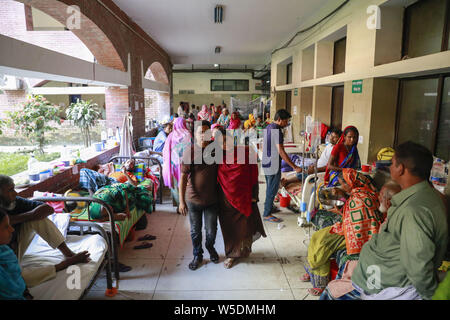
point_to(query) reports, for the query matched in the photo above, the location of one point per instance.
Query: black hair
(191, 116)
(175, 115)
(416, 158)
(181, 102)
(336, 131)
(5, 180)
(351, 129)
(282, 114)
(211, 104)
(206, 123)
(167, 125)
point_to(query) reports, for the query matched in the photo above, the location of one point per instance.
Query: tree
(33, 120)
(84, 115)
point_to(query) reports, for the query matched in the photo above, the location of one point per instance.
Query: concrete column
(357, 112)
(296, 115)
(308, 63)
(383, 115)
(321, 110)
(324, 59)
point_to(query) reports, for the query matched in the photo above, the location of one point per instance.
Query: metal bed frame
(110, 237)
(150, 161)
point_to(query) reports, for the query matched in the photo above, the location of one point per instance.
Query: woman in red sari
(239, 216)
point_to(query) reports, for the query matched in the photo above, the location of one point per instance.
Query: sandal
(316, 291)
(305, 278)
(144, 245)
(124, 268)
(272, 219)
(147, 237)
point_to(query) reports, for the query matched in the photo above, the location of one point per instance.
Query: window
(424, 113)
(340, 48)
(229, 85)
(426, 28)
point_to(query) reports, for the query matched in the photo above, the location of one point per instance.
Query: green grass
(12, 163)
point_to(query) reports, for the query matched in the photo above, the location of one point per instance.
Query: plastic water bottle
(438, 175)
(33, 167)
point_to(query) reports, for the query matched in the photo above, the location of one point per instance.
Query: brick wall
(66, 180)
(13, 24)
(111, 41)
(10, 100)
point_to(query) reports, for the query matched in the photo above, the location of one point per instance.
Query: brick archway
(157, 104)
(90, 34)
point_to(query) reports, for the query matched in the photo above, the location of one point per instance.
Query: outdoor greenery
(33, 120)
(2, 124)
(12, 163)
(84, 115)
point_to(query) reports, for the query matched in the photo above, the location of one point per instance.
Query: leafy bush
(12, 163)
(33, 119)
(84, 115)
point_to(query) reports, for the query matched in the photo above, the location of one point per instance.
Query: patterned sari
(351, 161)
(361, 218)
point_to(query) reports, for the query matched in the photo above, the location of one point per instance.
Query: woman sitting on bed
(122, 197)
(360, 220)
(13, 280)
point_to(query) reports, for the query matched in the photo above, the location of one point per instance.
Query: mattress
(39, 254)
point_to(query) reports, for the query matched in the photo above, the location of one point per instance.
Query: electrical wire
(313, 26)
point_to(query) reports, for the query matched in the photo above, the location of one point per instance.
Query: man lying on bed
(92, 180)
(30, 217)
(122, 197)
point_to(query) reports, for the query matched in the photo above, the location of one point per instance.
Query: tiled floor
(161, 272)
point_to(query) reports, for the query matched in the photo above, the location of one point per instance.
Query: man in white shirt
(322, 163)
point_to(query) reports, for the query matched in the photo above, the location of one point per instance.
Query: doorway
(337, 107)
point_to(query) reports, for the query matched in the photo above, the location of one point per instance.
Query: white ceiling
(251, 29)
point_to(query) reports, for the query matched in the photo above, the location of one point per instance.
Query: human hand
(43, 212)
(311, 169)
(183, 208)
(298, 170)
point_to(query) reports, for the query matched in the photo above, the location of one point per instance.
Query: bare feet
(82, 257)
(228, 263)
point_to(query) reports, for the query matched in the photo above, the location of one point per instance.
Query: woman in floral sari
(344, 155)
(176, 142)
(205, 114)
(360, 221)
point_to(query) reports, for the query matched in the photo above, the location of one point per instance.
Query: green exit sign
(357, 86)
(296, 92)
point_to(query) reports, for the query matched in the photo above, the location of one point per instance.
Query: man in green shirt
(401, 261)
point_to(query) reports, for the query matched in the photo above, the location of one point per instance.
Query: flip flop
(147, 237)
(124, 268)
(144, 245)
(316, 291)
(273, 219)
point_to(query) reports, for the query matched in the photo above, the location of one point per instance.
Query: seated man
(160, 140)
(341, 288)
(13, 279)
(401, 262)
(321, 163)
(30, 217)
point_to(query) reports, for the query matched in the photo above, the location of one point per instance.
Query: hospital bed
(81, 236)
(151, 162)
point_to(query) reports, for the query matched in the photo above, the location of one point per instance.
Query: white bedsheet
(56, 289)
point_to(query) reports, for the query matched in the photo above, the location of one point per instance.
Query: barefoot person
(239, 216)
(28, 218)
